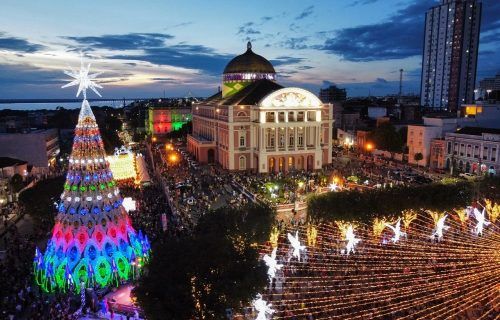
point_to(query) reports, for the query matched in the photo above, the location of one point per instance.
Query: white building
(449, 59)
(256, 124)
(473, 150)
(419, 137)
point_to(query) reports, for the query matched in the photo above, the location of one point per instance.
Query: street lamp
(369, 146)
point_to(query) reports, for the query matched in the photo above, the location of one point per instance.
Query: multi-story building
(486, 115)
(256, 124)
(449, 59)
(473, 150)
(437, 156)
(162, 119)
(420, 136)
(39, 148)
(332, 94)
(488, 85)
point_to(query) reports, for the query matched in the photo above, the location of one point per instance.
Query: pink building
(256, 124)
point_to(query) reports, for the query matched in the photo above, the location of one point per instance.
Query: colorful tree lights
(92, 240)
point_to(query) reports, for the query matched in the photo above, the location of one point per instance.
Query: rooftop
(249, 62)
(249, 95)
(477, 131)
(9, 162)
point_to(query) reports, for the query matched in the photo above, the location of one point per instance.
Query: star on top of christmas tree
(83, 79)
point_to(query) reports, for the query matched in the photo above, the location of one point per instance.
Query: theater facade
(255, 124)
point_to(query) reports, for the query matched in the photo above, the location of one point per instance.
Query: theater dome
(249, 62)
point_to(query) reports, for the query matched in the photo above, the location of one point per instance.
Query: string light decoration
(481, 221)
(408, 217)
(272, 264)
(92, 240)
(397, 231)
(493, 210)
(457, 278)
(123, 166)
(297, 247)
(462, 215)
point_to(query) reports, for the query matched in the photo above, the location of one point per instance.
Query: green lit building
(162, 119)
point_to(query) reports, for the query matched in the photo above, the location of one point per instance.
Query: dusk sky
(145, 47)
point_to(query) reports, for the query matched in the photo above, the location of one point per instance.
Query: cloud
(130, 41)
(297, 43)
(165, 80)
(492, 37)
(305, 67)
(248, 30)
(305, 13)
(153, 48)
(490, 14)
(285, 60)
(18, 44)
(361, 2)
(184, 56)
(381, 80)
(396, 38)
(327, 83)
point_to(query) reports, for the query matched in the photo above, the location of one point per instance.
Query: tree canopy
(38, 201)
(216, 267)
(387, 138)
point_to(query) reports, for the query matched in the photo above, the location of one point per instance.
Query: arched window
(241, 114)
(243, 163)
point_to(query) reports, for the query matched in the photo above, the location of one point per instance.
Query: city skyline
(181, 48)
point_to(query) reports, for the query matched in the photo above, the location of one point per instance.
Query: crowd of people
(20, 298)
(192, 190)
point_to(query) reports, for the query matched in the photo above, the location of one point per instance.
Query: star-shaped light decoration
(333, 187)
(397, 231)
(83, 79)
(262, 307)
(481, 221)
(272, 265)
(440, 227)
(351, 239)
(297, 247)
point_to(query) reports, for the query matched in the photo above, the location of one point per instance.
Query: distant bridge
(3, 101)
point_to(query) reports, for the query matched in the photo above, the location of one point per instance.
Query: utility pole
(400, 83)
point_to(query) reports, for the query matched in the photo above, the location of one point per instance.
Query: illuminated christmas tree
(93, 240)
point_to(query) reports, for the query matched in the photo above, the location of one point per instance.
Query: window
(291, 139)
(282, 138)
(485, 153)
(311, 115)
(462, 147)
(281, 117)
(300, 139)
(270, 138)
(269, 116)
(243, 163)
(449, 147)
(291, 117)
(242, 140)
(476, 152)
(493, 154)
(300, 116)
(469, 150)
